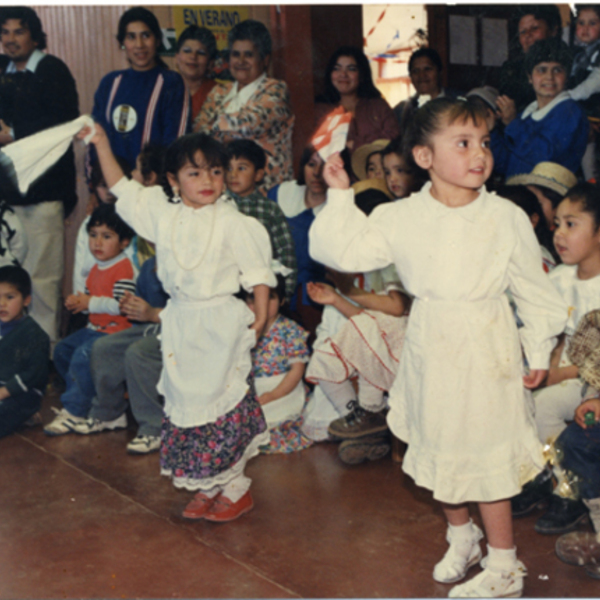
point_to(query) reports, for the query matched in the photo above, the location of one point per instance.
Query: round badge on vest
(124, 118)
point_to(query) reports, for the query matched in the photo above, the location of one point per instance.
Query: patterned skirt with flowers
(212, 455)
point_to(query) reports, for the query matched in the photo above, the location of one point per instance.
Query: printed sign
(219, 19)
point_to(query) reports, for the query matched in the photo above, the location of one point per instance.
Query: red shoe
(223, 509)
(199, 506)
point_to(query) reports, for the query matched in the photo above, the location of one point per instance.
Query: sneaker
(358, 423)
(562, 516)
(96, 426)
(144, 444)
(63, 422)
(493, 584)
(354, 452)
(535, 494)
(454, 566)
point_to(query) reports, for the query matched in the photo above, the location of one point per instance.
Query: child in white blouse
(458, 400)
(205, 250)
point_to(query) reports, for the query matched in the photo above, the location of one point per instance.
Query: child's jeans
(581, 450)
(15, 410)
(72, 361)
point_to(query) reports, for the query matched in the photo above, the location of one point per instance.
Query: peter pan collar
(538, 114)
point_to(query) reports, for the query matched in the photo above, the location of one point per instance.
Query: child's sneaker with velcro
(64, 422)
(144, 444)
(96, 426)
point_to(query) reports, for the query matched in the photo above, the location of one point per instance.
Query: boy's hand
(535, 378)
(4, 393)
(591, 405)
(77, 303)
(321, 293)
(507, 111)
(334, 173)
(137, 309)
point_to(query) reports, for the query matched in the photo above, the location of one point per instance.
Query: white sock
(501, 560)
(594, 508)
(237, 487)
(339, 394)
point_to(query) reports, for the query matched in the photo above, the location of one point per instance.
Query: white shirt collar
(235, 100)
(32, 63)
(537, 114)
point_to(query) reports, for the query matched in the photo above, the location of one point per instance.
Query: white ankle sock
(500, 559)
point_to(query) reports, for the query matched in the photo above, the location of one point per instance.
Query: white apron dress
(203, 255)
(458, 399)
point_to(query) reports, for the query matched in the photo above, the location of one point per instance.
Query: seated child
(553, 127)
(84, 258)
(367, 160)
(550, 183)
(130, 360)
(13, 239)
(401, 177)
(247, 162)
(366, 346)
(24, 351)
(577, 460)
(278, 363)
(109, 279)
(577, 241)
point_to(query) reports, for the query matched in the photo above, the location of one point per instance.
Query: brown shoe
(223, 509)
(199, 506)
(372, 447)
(358, 423)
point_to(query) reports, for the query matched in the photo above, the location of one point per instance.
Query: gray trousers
(128, 360)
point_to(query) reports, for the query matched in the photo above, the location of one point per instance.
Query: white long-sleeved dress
(458, 399)
(203, 255)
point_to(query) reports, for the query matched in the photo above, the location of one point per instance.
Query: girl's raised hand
(334, 174)
(98, 136)
(534, 378)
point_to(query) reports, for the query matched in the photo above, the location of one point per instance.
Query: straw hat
(549, 175)
(360, 155)
(488, 94)
(584, 348)
(372, 184)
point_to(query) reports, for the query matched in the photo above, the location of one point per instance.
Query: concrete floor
(80, 518)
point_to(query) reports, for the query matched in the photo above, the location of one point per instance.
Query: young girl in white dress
(205, 250)
(458, 399)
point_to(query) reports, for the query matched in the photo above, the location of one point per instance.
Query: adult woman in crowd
(147, 102)
(196, 52)
(348, 83)
(253, 106)
(535, 22)
(425, 70)
(301, 201)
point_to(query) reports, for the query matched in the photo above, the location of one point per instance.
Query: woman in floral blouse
(254, 106)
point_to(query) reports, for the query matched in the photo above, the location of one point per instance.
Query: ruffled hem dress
(458, 400)
(203, 256)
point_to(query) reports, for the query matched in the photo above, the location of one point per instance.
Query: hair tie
(462, 98)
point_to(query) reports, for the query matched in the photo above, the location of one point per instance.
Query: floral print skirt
(212, 455)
